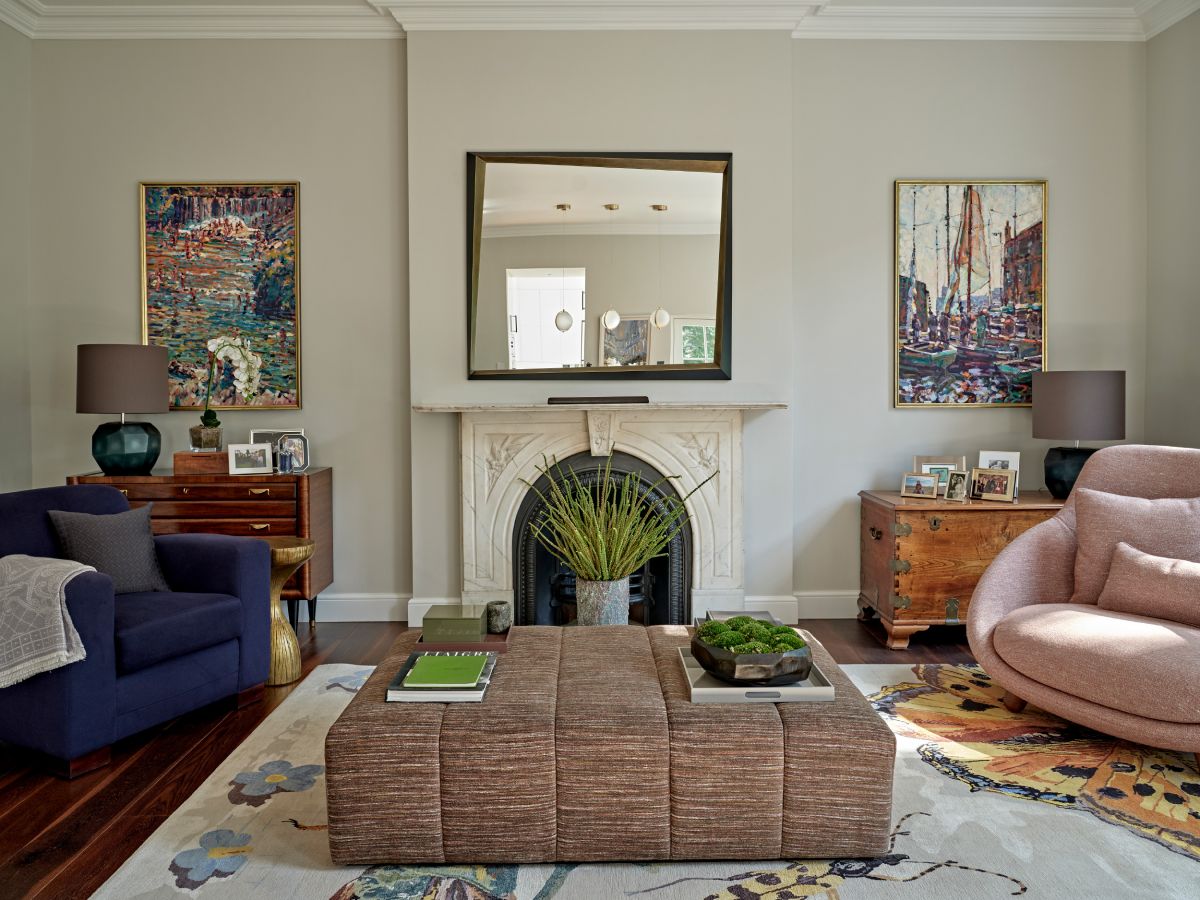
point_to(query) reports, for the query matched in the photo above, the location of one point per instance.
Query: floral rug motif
(1034, 755)
(256, 828)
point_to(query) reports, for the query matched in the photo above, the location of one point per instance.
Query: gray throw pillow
(119, 545)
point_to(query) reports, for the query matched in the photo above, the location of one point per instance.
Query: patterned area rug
(988, 804)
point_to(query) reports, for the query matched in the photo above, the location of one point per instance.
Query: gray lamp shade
(121, 378)
(1079, 406)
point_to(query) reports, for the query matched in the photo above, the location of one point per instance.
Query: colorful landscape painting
(223, 260)
(969, 298)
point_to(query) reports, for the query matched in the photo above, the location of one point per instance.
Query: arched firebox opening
(543, 588)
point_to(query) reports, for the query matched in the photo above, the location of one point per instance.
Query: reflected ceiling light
(661, 318)
(563, 320)
(612, 318)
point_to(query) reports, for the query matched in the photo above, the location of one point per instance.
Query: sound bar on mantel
(593, 401)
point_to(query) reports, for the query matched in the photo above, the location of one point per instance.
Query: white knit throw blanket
(36, 631)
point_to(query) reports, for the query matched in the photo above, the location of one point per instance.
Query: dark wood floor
(62, 839)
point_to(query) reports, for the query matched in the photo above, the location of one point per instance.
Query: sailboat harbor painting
(969, 299)
(222, 260)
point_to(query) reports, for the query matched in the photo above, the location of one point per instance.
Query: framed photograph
(968, 304)
(628, 344)
(919, 484)
(994, 484)
(942, 465)
(296, 444)
(250, 459)
(1002, 459)
(958, 487)
(222, 260)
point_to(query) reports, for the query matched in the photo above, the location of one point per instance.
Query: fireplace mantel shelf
(584, 404)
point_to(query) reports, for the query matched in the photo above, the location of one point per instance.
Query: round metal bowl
(765, 669)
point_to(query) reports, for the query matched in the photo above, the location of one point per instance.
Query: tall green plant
(606, 531)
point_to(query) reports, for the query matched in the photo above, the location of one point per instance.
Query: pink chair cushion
(1152, 586)
(1142, 666)
(1169, 528)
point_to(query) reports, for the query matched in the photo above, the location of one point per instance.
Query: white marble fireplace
(503, 447)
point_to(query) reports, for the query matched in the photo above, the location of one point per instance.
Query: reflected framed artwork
(628, 344)
(221, 260)
(969, 299)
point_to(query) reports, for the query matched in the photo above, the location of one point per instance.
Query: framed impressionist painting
(222, 260)
(628, 344)
(969, 299)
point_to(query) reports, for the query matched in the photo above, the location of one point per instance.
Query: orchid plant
(247, 366)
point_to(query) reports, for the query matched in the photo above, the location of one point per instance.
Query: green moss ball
(751, 647)
(726, 639)
(757, 632)
(737, 623)
(790, 641)
(783, 630)
(709, 630)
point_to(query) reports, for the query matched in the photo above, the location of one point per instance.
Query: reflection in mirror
(592, 266)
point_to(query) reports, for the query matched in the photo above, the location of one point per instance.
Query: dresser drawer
(249, 491)
(263, 527)
(259, 510)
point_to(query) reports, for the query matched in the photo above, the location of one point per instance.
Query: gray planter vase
(204, 438)
(602, 602)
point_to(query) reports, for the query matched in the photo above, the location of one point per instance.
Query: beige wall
(866, 113)
(1173, 316)
(596, 91)
(329, 114)
(16, 160)
(622, 274)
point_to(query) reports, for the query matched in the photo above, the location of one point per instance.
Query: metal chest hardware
(901, 565)
(901, 529)
(901, 601)
(952, 610)
(935, 522)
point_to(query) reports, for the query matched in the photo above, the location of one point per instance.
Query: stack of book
(443, 677)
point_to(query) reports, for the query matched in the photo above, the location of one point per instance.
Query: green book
(446, 671)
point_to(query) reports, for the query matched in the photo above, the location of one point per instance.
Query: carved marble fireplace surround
(503, 446)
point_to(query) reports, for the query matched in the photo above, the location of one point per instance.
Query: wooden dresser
(249, 505)
(921, 559)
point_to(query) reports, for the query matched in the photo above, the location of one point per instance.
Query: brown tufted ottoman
(586, 748)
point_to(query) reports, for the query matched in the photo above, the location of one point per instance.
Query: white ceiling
(1081, 20)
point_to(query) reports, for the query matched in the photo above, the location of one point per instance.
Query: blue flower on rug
(349, 683)
(256, 788)
(220, 854)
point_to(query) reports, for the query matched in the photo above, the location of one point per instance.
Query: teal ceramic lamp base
(126, 448)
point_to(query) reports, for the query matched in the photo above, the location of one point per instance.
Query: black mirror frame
(720, 370)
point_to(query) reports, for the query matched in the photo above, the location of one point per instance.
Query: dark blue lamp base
(1063, 465)
(126, 448)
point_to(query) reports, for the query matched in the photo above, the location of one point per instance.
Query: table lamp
(1078, 406)
(123, 378)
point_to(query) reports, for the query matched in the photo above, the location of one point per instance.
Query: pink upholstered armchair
(1131, 676)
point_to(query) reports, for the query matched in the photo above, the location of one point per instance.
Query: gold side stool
(287, 555)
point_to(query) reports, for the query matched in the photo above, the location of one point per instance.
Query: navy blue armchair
(150, 656)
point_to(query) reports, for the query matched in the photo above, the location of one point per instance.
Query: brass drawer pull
(184, 490)
(260, 526)
(258, 492)
(124, 491)
(875, 533)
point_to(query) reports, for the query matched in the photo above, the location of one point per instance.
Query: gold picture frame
(247, 235)
(1006, 337)
(984, 484)
(922, 485)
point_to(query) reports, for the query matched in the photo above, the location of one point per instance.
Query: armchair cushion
(1153, 586)
(120, 545)
(1168, 528)
(153, 626)
(1142, 666)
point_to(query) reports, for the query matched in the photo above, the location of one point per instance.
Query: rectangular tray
(705, 688)
(493, 643)
(722, 614)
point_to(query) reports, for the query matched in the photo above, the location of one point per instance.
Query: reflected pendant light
(660, 318)
(611, 319)
(563, 320)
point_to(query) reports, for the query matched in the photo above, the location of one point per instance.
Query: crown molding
(390, 19)
(994, 23)
(596, 15)
(1159, 15)
(242, 21)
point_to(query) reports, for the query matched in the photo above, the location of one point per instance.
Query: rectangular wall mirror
(585, 265)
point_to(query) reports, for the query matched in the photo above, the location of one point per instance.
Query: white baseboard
(827, 604)
(358, 608)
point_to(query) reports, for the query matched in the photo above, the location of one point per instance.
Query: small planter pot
(204, 438)
(602, 602)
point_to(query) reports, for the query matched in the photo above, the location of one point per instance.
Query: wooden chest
(300, 504)
(921, 559)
